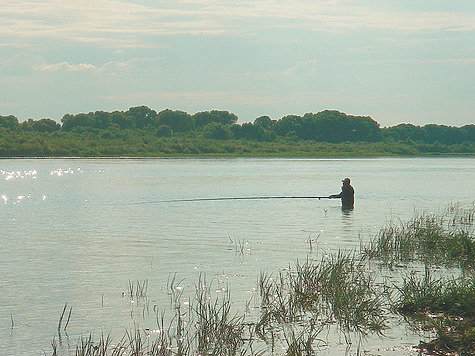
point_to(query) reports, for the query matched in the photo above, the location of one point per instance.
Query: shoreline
(280, 156)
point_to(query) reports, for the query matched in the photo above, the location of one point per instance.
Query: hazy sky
(394, 60)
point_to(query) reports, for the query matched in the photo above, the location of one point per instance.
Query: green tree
(470, 130)
(163, 131)
(123, 121)
(222, 117)
(252, 132)
(8, 122)
(26, 125)
(102, 119)
(75, 121)
(287, 124)
(335, 127)
(217, 131)
(178, 121)
(266, 122)
(46, 125)
(143, 116)
(445, 134)
(405, 132)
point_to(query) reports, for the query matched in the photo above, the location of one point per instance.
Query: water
(78, 231)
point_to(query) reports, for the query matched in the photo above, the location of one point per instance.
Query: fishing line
(233, 198)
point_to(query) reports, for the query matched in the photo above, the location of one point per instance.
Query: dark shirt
(347, 196)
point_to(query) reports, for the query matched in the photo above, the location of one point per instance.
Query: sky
(397, 61)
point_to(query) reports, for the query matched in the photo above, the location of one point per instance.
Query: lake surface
(80, 230)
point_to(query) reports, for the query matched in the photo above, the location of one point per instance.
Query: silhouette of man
(347, 195)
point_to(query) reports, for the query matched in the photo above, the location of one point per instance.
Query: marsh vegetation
(429, 286)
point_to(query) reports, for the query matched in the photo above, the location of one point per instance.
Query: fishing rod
(244, 198)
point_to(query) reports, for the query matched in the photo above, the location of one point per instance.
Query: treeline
(141, 131)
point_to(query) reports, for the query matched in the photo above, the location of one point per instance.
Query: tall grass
(295, 308)
(62, 316)
(302, 340)
(86, 346)
(339, 291)
(442, 239)
(137, 290)
(217, 330)
(444, 305)
(452, 296)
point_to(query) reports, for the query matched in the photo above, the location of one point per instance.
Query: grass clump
(217, 330)
(295, 307)
(337, 290)
(445, 239)
(444, 306)
(205, 327)
(453, 297)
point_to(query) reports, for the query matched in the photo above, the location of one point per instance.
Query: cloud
(106, 22)
(123, 23)
(334, 15)
(113, 67)
(143, 64)
(65, 67)
(456, 61)
(308, 67)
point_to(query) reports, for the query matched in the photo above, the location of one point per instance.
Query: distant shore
(224, 156)
(142, 132)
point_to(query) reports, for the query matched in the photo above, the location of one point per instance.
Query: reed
(163, 343)
(174, 290)
(440, 239)
(454, 337)
(86, 346)
(136, 345)
(278, 305)
(62, 316)
(339, 292)
(302, 342)
(218, 331)
(337, 289)
(54, 346)
(443, 305)
(455, 297)
(137, 290)
(240, 246)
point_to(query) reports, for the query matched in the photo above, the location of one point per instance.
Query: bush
(217, 131)
(163, 131)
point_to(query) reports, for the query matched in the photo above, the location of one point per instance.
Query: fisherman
(347, 195)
